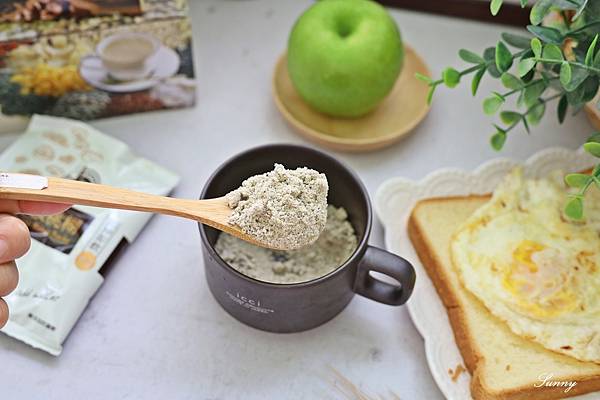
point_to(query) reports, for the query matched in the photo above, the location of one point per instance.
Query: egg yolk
(538, 280)
(523, 253)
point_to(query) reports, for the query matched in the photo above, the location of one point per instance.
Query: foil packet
(62, 270)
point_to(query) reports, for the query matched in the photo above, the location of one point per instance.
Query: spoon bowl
(212, 212)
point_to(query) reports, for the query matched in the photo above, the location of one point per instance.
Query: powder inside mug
(334, 246)
(285, 209)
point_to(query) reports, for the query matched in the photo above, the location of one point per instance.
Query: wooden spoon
(212, 212)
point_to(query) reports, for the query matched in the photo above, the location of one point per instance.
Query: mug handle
(376, 259)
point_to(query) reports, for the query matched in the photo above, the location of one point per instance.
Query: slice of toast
(502, 364)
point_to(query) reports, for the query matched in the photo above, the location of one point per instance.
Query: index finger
(31, 207)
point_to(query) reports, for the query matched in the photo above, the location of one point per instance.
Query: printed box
(93, 59)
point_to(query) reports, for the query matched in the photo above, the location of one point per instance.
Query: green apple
(344, 56)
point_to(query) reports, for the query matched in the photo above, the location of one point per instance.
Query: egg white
(533, 267)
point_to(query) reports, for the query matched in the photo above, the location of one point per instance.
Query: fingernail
(3, 248)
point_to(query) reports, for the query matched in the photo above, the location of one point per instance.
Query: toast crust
(432, 265)
(473, 356)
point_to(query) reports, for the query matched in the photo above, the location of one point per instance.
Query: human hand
(15, 241)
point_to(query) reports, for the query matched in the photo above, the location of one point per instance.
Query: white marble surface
(153, 331)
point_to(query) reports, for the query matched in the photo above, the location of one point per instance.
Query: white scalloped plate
(394, 202)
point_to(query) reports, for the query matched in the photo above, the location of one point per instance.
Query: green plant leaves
(589, 55)
(575, 97)
(526, 125)
(535, 114)
(520, 99)
(586, 30)
(536, 47)
(451, 77)
(430, 93)
(539, 10)
(575, 75)
(470, 57)
(577, 180)
(596, 170)
(565, 73)
(423, 78)
(524, 66)
(518, 41)
(503, 57)
(596, 62)
(574, 208)
(572, 76)
(546, 34)
(552, 52)
(492, 104)
(533, 92)
(528, 77)
(498, 139)
(593, 148)
(580, 9)
(590, 88)
(495, 6)
(490, 57)
(561, 111)
(578, 75)
(476, 80)
(510, 81)
(595, 137)
(510, 117)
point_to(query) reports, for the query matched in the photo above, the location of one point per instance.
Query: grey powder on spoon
(285, 209)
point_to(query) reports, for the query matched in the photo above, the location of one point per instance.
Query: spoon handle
(58, 190)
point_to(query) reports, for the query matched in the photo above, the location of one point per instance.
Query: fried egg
(533, 267)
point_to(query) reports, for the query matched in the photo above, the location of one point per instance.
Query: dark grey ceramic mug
(300, 306)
